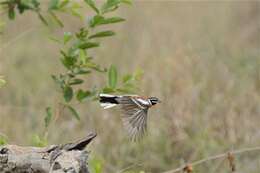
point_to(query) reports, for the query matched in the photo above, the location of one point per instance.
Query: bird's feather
(107, 105)
(134, 117)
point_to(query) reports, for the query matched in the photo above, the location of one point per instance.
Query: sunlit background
(200, 58)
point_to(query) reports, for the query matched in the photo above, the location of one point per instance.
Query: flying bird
(135, 109)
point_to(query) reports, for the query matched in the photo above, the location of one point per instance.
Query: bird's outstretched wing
(134, 116)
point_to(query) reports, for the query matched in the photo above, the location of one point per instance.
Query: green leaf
(73, 111)
(112, 76)
(58, 80)
(76, 81)
(68, 61)
(64, 3)
(67, 36)
(55, 78)
(38, 141)
(55, 39)
(71, 52)
(100, 20)
(102, 34)
(82, 34)
(11, 13)
(35, 3)
(3, 140)
(110, 5)
(81, 70)
(44, 21)
(96, 20)
(75, 12)
(23, 6)
(113, 20)
(95, 166)
(67, 93)
(48, 116)
(88, 45)
(2, 82)
(81, 95)
(83, 56)
(110, 9)
(94, 66)
(56, 19)
(92, 5)
(53, 4)
(127, 78)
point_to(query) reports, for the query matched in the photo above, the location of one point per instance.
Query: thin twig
(214, 158)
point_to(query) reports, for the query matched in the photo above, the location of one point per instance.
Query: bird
(134, 111)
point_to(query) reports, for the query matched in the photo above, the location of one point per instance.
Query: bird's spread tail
(108, 101)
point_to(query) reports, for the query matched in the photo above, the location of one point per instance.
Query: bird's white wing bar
(106, 95)
(107, 105)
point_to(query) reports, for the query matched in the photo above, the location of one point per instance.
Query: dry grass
(201, 59)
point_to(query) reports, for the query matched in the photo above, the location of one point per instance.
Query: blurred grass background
(200, 58)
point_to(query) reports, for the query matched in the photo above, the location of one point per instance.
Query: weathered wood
(70, 158)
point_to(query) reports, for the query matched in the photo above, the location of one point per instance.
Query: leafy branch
(12, 7)
(75, 55)
(78, 62)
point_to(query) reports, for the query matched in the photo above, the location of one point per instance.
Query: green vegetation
(75, 56)
(2, 81)
(3, 140)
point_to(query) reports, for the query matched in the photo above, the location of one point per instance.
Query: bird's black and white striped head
(154, 100)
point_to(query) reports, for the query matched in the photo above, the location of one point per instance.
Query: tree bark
(70, 158)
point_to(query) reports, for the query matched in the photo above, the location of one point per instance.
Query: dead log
(70, 158)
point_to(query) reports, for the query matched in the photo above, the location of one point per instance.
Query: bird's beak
(159, 101)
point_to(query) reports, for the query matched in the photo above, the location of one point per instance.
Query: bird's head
(154, 100)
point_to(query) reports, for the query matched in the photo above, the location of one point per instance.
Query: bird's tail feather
(108, 101)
